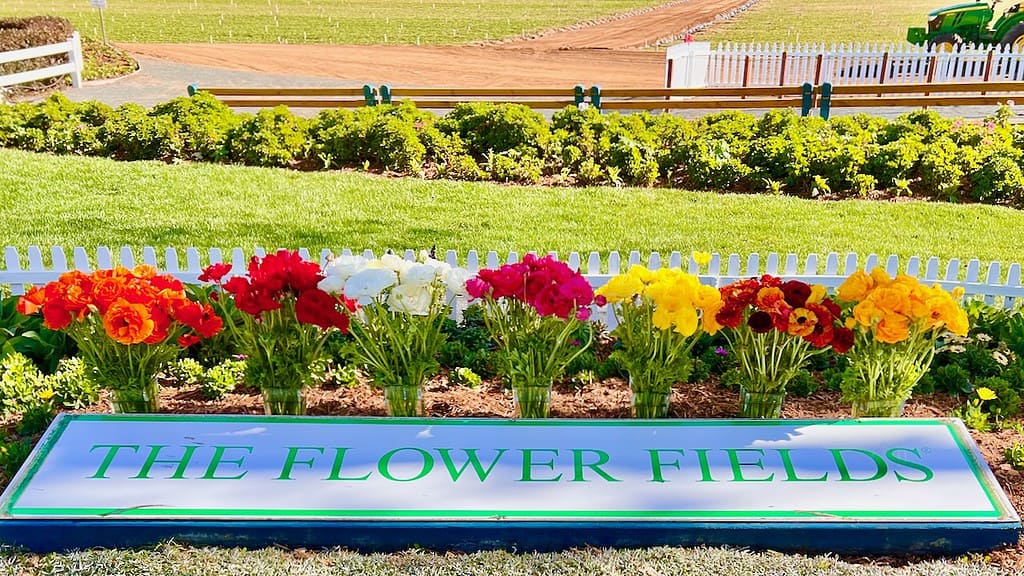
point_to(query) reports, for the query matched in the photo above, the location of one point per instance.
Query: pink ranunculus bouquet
(536, 312)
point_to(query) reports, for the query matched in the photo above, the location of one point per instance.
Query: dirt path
(602, 52)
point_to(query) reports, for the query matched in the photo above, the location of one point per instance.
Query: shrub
(273, 137)
(487, 128)
(72, 388)
(22, 386)
(222, 379)
(201, 123)
(131, 133)
(387, 137)
(12, 455)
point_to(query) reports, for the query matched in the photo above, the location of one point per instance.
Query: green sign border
(1001, 509)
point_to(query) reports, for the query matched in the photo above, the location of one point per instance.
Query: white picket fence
(999, 284)
(775, 64)
(73, 48)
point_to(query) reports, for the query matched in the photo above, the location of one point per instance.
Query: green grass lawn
(318, 21)
(72, 201)
(825, 21)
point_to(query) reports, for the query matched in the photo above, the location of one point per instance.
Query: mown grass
(73, 201)
(825, 21)
(179, 560)
(321, 21)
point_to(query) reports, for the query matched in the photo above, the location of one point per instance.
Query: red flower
(796, 293)
(30, 303)
(320, 309)
(215, 273)
(760, 322)
(201, 318)
(186, 340)
(842, 340)
(731, 315)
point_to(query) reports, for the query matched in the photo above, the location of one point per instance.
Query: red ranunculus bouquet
(773, 328)
(127, 323)
(286, 320)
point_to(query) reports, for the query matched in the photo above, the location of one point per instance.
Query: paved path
(158, 81)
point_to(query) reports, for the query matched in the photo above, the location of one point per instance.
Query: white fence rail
(741, 65)
(73, 48)
(999, 284)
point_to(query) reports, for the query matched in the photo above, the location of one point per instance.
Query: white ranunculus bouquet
(397, 332)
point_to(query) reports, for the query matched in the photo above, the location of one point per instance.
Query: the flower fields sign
(847, 485)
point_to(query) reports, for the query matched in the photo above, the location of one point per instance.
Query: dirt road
(603, 52)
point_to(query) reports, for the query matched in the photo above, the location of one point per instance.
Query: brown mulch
(610, 399)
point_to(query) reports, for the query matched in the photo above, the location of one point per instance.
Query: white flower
(332, 284)
(455, 279)
(439, 265)
(1000, 358)
(395, 262)
(419, 275)
(345, 266)
(410, 298)
(982, 337)
(369, 283)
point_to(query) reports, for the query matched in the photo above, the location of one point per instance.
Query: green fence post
(579, 94)
(808, 99)
(369, 95)
(385, 94)
(826, 99)
(595, 97)
(192, 89)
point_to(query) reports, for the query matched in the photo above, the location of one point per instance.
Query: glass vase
(404, 400)
(531, 401)
(761, 404)
(878, 408)
(142, 399)
(650, 403)
(284, 401)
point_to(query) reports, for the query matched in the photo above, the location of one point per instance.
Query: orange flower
(856, 287)
(892, 328)
(105, 291)
(29, 303)
(128, 323)
(802, 322)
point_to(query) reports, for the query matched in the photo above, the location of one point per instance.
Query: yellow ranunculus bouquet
(896, 322)
(660, 315)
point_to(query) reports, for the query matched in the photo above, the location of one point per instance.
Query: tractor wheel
(946, 43)
(1014, 38)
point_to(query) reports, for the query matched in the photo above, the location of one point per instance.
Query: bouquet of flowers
(397, 333)
(660, 315)
(774, 328)
(897, 322)
(127, 323)
(285, 323)
(535, 311)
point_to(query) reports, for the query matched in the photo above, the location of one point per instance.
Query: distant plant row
(919, 154)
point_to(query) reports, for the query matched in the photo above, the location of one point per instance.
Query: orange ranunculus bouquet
(896, 322)
(128, 323)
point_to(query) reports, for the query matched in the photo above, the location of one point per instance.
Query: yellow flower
(802, 322)
(45, 395)
(640, 273)
(621, 287)
(986, 393)
(662, 318)
(701, 258)
(892, 328)
(881, 277)
(856, 287)
(958, 292)
(818, 293)
(708, 321)
(686, 321)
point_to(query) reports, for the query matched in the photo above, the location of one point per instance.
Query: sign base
(871, 486)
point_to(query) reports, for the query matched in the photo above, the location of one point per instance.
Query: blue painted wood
(839, 537)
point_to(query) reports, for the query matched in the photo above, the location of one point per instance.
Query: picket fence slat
(23, 270)
(742, 64)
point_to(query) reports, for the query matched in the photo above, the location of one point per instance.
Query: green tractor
(951, 27)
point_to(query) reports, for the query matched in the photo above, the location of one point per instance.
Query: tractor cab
(974, 23)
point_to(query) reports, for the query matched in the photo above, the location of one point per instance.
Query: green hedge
(919, 154)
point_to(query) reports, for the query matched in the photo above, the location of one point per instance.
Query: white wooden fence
(73, 48)
(740, 65)
(999, 284)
